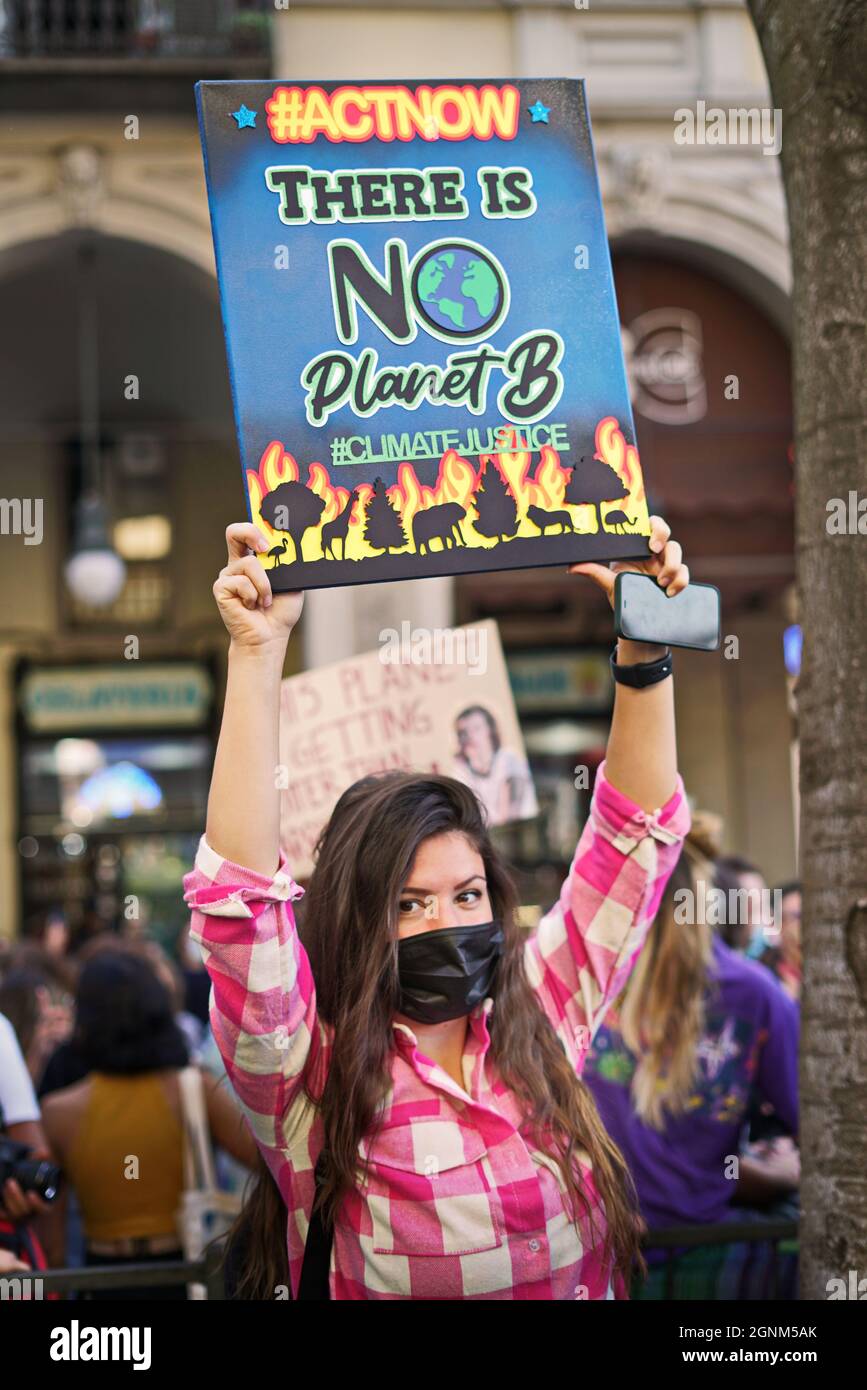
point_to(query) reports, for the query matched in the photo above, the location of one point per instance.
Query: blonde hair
(662, 1009)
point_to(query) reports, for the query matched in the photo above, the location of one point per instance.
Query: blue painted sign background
(388, 362)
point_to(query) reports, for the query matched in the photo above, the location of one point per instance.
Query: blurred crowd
(110, 1079)
(97, 1047)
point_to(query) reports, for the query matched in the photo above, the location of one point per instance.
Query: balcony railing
(133, 28)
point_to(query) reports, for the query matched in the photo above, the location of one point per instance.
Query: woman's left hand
(665, 564)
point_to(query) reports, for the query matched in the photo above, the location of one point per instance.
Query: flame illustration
(544, 489)
(457, 480)
(612, 448)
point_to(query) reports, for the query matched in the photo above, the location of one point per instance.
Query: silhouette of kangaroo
(617, 518)
(337, 529)
(442, 522)
(543, 519)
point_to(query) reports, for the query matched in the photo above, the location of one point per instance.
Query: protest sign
(421, 328)
(425, 701)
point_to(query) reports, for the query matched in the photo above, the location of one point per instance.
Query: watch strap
(643, 673)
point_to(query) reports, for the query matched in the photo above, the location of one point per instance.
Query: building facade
(99, 149)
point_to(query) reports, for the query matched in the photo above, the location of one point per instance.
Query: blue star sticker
(539, 112)
(245, 117)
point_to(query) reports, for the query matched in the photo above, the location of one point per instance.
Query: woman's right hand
(254, 617)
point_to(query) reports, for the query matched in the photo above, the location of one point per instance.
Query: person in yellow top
(118, 1134)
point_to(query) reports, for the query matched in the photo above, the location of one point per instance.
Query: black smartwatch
(643, 673)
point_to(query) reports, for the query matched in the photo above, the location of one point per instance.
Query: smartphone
(644, 613)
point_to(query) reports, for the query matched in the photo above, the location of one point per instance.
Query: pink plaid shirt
(457, 1203)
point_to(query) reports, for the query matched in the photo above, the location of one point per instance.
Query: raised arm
(244, 803)
(642, 754)
(263, 1004)
(581, 954)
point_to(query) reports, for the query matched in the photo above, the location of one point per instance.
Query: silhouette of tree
(496, 507)
(383, 527)
(294, 508)
(592, 483)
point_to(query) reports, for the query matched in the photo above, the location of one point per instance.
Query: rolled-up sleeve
(263, 998)
(583, 950)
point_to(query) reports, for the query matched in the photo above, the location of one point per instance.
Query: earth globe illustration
(459, 290)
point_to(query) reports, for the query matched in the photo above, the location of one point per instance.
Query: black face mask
(446, 972)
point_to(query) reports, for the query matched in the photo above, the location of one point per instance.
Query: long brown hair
(662, 1009)
(255, 1263)
(349, 929)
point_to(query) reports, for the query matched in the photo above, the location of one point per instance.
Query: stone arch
(138, 287)
(732, 225)
(46, 192)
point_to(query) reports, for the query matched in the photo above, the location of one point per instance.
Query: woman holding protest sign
(413, 1065)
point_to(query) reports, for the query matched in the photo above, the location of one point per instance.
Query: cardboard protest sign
(426, 701)
(421, 327)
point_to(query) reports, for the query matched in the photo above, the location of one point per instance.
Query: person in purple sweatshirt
(700, 1040)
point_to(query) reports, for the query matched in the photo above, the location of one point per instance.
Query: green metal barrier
(684, 1242)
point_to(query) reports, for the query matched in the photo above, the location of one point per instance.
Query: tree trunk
(816, 56)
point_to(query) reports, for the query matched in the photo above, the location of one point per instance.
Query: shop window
(106, 818)
(114, 765)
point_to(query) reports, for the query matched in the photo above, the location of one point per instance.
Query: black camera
(31, 1174)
